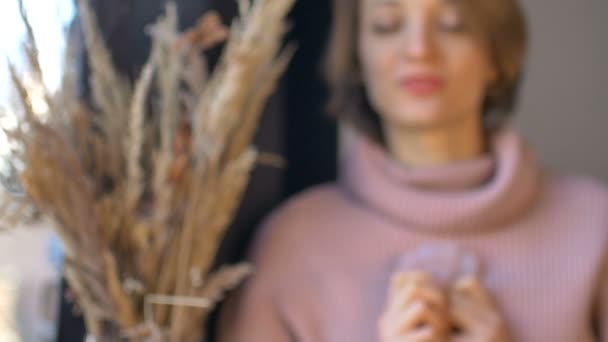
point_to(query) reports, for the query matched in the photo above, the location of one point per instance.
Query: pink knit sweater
(325, 258)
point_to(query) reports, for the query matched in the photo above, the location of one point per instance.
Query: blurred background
(50, 20)
(562, 111)
(29, 265)
(563, 108)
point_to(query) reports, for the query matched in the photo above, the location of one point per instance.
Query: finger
(412, 281)
(432, 296)
(437, 320)
(418, 318)
(471, 286)
(419, 315)
(402, 279)
(475, 319)
(421, 335)
(411, 318)
(464, 313)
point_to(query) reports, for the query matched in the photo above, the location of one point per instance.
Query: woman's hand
(475, 317)
(416, 310)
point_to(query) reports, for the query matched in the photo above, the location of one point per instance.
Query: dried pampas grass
(143, 187)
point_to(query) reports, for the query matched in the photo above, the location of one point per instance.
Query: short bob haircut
(499, 24)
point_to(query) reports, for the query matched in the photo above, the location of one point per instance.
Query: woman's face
(421, 65)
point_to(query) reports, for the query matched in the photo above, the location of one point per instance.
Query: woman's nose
(418, 40)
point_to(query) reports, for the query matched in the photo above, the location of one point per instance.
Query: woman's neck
(437, 145)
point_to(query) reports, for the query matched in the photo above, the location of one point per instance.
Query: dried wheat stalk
(143, 186)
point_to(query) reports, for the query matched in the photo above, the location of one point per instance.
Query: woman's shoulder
(578, 185)
(310, 207)
(299, 221)
(579, 196)
(318, 199)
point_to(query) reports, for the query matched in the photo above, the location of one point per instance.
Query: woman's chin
(421, 119)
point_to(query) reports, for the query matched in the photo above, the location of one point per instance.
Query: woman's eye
(385, 21)
(452, 22)
(383, 27)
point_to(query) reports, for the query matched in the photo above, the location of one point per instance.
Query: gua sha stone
(445, 262)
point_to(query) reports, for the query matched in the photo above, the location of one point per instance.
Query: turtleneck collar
(469, 195)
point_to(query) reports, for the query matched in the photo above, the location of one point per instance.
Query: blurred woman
(443, 226)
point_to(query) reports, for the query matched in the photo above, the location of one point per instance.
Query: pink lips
(421, 84)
